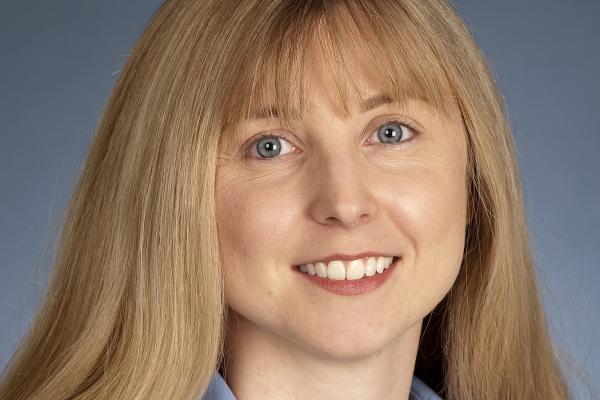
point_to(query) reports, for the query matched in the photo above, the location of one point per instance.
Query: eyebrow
(368, 104)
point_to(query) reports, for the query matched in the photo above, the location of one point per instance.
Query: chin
(349, 346)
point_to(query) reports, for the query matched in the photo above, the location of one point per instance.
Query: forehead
(339, 54)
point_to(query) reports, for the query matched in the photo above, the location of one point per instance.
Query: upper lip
(348, 257)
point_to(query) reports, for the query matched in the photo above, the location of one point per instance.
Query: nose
(342, 191)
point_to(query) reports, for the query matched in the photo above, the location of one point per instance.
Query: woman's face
(332, 185)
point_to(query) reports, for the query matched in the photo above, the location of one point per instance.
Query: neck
(263, 364)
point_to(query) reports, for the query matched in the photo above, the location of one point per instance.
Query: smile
(348, 270)
(353, 286)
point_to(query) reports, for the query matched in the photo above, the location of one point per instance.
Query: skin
(336, 187)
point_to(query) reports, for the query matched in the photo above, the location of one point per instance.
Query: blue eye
(268, 146)
(394, 132)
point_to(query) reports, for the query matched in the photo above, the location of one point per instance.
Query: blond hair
(135, 307)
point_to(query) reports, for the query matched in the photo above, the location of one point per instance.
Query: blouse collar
(218, 389)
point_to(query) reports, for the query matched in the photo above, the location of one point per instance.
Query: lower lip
(352, 287)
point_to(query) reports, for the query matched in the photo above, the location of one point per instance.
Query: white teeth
(370, 266)
(350, 270)
(321, 269)
(355, 269)
(381, 264)
(336, 270)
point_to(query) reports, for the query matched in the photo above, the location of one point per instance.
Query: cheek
(432, 210)
(437, 214)
(255, 221)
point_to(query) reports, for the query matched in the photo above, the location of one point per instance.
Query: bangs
(376, 41)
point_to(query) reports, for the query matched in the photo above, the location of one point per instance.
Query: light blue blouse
(218, 389)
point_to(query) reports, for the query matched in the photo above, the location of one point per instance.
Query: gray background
(60, 60)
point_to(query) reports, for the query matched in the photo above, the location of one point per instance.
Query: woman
(296, 199)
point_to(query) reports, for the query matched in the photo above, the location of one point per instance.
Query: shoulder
(219, 390)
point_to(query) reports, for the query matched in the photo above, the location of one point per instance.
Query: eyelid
(391, 118)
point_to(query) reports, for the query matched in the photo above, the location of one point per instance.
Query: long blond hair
(135, 307)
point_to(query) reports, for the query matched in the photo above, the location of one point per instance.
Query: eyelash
(261, 136)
